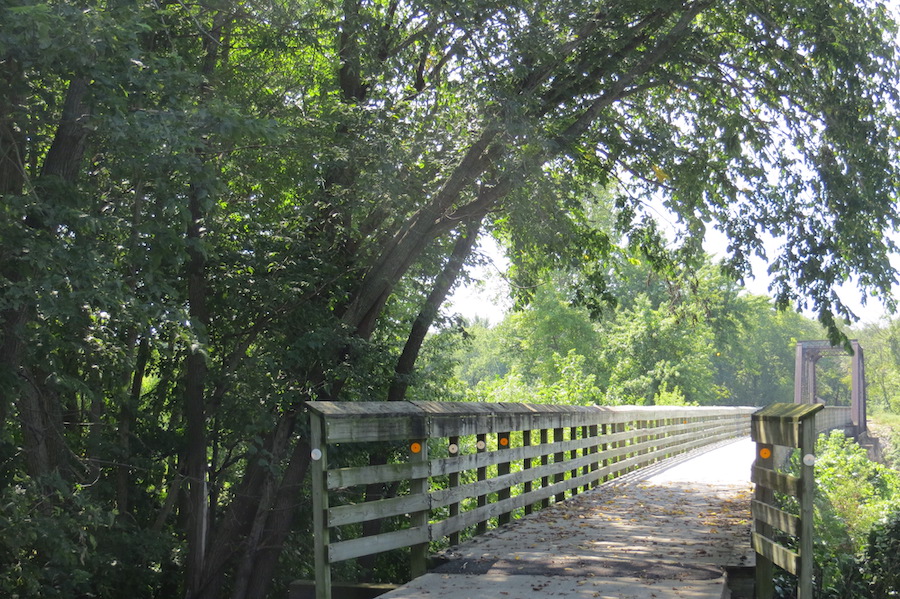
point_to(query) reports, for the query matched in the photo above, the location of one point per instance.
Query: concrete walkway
(664, 532)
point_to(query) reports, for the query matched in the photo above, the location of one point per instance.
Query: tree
(214, 212)
(881, 342)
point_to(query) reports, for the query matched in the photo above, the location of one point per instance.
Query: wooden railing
(453, 467)
(787, 426)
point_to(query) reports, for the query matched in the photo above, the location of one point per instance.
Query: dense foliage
(857, 508)
(212, 212)
(697, 339)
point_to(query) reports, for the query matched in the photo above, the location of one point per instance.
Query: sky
(487, 296)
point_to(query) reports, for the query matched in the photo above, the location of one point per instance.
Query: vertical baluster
(558, 458)
(573, 455)
(454, 482)
(419, 486)
(807, 491)
(503, 441)
(481, 447)
(526, 465)
(604, 429)
(765, 571)
(320, 506)
(545, 460)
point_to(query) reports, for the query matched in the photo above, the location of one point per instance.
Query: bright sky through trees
(487, 295)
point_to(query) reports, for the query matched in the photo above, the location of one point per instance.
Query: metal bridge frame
(808, 355)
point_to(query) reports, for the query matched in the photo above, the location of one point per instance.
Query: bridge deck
(665, 531)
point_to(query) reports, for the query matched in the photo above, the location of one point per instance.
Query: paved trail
(666, 532)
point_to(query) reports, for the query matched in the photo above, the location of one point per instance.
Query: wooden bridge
(433, 477)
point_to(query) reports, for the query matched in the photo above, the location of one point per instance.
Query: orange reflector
(504, 441)
(415, 447)
(765, 453)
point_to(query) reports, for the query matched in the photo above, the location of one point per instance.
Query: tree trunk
(261, 558)
(67, 151)
(12, 183)
(126, 418)
(442, 286)
(235, 524)
(40, 414)
(194, 396)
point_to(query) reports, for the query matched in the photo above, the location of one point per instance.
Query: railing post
(573, 455)
(604, 429)
(526, 465)
(618, 428)
(559, 457)
(765, 570)
(481, 474)
(418, 486)
(503, 469)
(454, 482)
(592, 431)
(545, 459)
(807, 496)
(320, 506)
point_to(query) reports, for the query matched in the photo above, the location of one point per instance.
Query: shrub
(882, 564)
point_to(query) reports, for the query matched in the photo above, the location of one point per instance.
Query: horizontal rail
(782, 557)
(365, 422)
(777, 481)
(775, 517)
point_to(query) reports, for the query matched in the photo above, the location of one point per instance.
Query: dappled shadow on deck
(639, 530)
(627, 538)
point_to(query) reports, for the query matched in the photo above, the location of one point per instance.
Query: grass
(884, 417)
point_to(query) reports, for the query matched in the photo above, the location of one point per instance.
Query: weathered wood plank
(775, 517)
(795, 412)
(778, 555)
(779, 424)
(807, 491)
(418, 519)
(376, 544)
(374, 428)
(384, 473)
(374, 421)
(321, 537)
(777, 481)
(342, 515)
(785, 433)
(765, 569)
